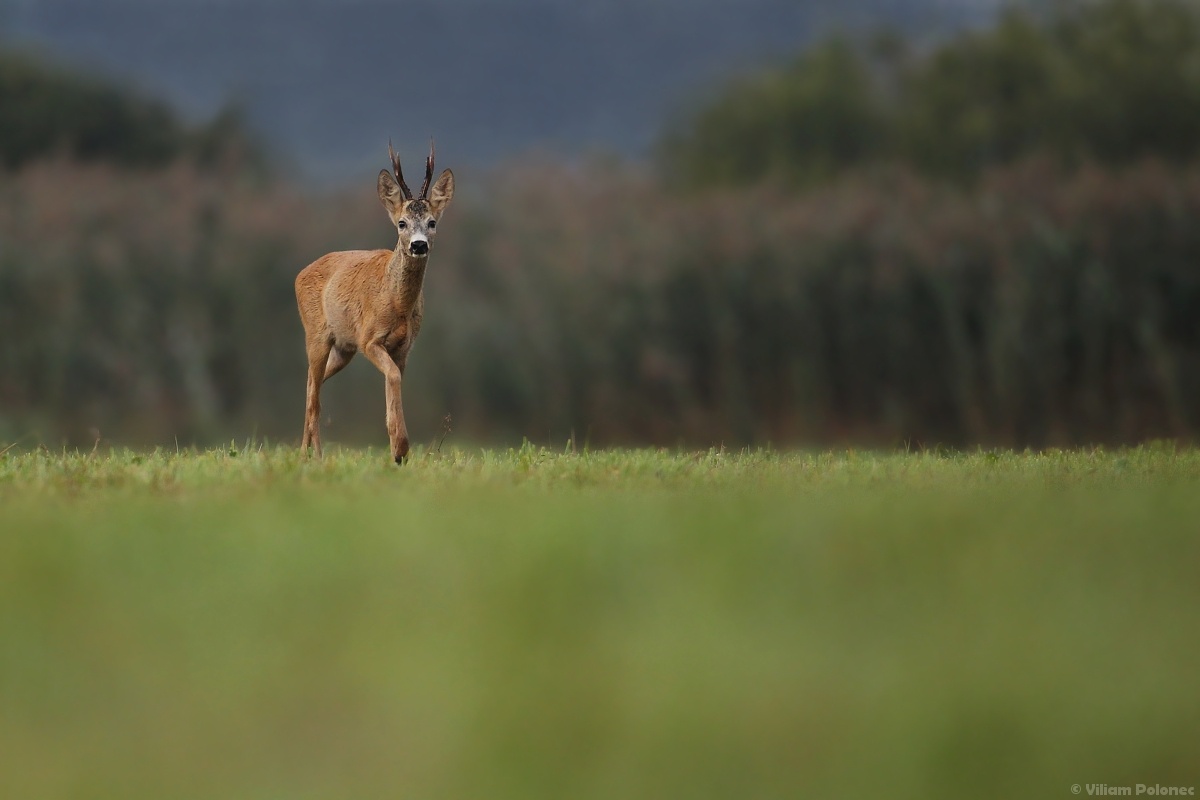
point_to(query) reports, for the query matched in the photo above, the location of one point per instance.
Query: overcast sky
(331, 79)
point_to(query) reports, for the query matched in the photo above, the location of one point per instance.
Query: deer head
(415, 218)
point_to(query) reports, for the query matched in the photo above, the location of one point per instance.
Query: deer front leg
(397, 430)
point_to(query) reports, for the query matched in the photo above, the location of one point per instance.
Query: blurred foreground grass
(527, 624)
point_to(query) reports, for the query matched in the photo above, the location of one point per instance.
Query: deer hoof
(401, 453)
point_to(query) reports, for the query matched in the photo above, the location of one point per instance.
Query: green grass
(247, 623)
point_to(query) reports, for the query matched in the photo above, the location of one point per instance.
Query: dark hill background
(329, 81)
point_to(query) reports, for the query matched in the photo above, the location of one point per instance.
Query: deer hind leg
(318, 357)
(397, 430)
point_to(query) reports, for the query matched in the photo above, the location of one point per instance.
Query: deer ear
(389, 192)
(442, 191)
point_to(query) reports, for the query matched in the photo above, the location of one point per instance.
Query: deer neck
(406, 274)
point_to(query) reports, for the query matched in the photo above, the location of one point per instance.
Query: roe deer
(371, 300)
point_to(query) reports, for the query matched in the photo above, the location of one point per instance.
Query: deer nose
(419, 247)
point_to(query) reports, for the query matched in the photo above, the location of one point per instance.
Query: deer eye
(432, 224)
(401, 224)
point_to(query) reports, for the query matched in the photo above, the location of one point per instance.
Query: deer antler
(428, 173)
(400, 173)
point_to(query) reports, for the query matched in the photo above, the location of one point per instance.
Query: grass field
(245, 623)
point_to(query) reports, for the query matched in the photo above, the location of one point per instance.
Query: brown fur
(369, 301)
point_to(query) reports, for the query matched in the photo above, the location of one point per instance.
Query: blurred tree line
(1010, 283)
(1038, 307)
(49, 111)
(1108, 82)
